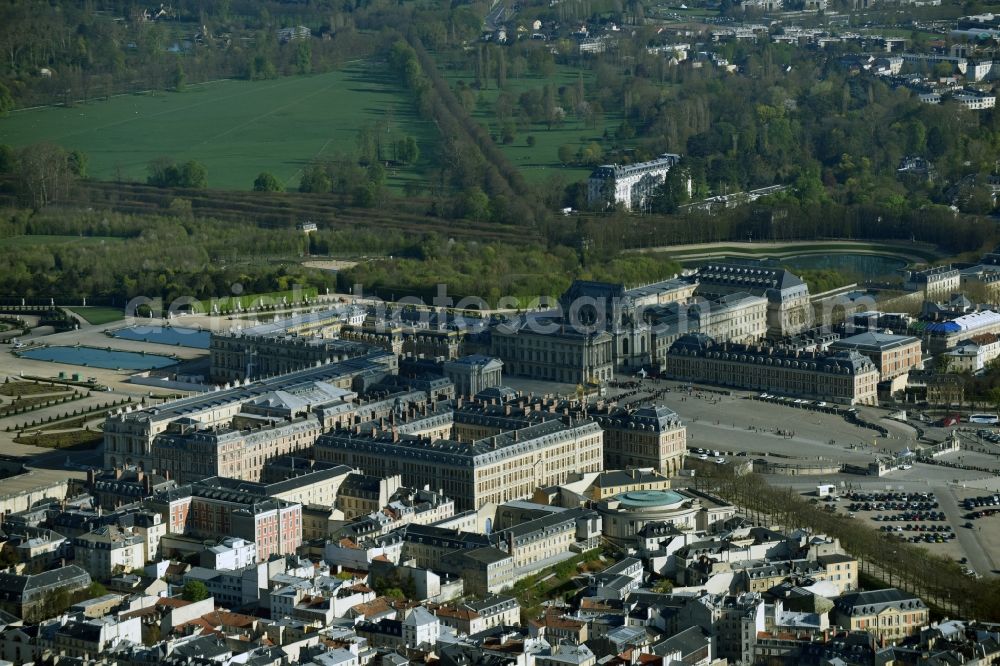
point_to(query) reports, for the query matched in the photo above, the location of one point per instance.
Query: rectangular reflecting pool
(178, 336)
(99, 358)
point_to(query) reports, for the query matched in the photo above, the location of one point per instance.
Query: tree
(193, 174)
(407, 151)
(303, 56)
(194, 590)
(475, 204)
(44, 174)
(78, 163)
(566, 154)
(315, 179)
(178, 79)
(663, 586)
(6, 101)
(530, 141)
(8, 158)
(266, 182)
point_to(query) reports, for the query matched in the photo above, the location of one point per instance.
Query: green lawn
(235, 128)
(540, 161)
(97, 315)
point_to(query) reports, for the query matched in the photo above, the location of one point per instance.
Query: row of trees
(164, 172)
(468, 158)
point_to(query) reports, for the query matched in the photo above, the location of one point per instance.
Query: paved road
(980, 557)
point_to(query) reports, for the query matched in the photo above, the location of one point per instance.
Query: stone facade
(495, 469)
(844, 377)
(649, 436)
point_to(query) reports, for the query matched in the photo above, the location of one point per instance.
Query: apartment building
(788, 307)
(844, 377)
(644, 437)
(889, 614)
(937, 281)
(629, 185)
(495, 469)
(893, 355)
(208, 511)
(109, 551)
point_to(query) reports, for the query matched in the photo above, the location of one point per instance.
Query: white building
(233, 553)
(630, 185)
(975, 100)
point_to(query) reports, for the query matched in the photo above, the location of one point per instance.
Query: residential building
(631, 185)
(26, 595)
(211, 511)
(495, 469)
(972, 355)
(975, 100)
(644, 437)
(788, 307)
(473, 617)
(933, 282)
(844, 377)
(893, 355)
(109, 551)
(889, 614)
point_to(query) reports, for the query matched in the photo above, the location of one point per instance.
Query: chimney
(118, 473)
(139, 475)
(90, 477)
(395, 434)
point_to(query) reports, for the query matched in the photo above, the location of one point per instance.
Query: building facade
(495, 469)
(893, 355)
(630, 185)
(844, 377)
(647, 437)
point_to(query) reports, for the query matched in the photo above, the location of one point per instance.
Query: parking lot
(908, 516)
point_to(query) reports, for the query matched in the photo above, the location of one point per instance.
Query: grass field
(237, 129)
(540, 161)
(99, 315)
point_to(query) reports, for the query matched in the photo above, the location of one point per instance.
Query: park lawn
(541, 161)
(237, 129)
(48, 240)
(98, 315)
